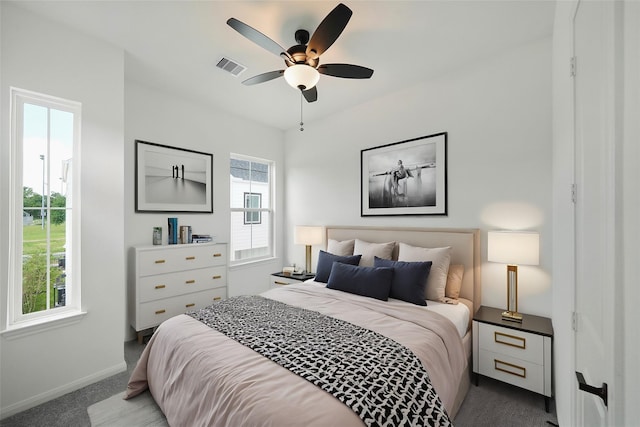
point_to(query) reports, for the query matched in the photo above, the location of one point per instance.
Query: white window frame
(270, 209)
(73, 307)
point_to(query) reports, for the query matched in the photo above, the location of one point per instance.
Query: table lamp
(308, 236)
(513, 248)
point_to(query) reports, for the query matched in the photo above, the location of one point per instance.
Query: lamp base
(512, 316)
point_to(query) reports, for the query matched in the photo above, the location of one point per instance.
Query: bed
(208, 367)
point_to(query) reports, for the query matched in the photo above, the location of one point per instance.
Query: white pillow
(343, 248)
(370, 250)
(440, 259)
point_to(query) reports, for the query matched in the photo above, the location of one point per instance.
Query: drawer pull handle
(188, 282)
(217, 277)
(217, 298)
(510, 368)
(160, 311)
(189, 305)
(160, 286)
(160, 261)
(217, 255)
(280, 283)
(190, 258)
(511, 340)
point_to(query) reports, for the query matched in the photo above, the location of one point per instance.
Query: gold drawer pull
(511, 340)
(217, 277)
(160, 261)
(160, 286)
(190, 258)
(217, 255)
(189, 305)
(188, 282)
(280, 283)
(217, 298)
(160, 311)
(510, 368)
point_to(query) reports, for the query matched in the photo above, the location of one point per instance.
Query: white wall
(497, 113)
(41, 56)
(163, 118)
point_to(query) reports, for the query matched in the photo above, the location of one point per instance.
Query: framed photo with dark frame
(170, 179)
(405, 178)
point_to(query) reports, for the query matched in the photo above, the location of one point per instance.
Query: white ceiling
(175, 45)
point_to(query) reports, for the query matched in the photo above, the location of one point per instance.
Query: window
(252, 204)
(252, 201)
(44, 274)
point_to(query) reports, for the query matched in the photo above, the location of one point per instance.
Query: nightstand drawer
(281, 281)
(512, 370)
(518, 344)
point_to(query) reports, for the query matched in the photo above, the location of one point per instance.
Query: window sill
(251, 263)
(42, 324)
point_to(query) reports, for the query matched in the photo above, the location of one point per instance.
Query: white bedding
(457, 313)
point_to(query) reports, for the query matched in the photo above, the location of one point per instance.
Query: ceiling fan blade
(328, 31)
(346, 71)
(264, 77)
(258, 38)
(311, 95)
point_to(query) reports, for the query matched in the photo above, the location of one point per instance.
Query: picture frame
(171, 179)
(405, 178)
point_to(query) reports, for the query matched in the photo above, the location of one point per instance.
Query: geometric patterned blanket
(382, 381)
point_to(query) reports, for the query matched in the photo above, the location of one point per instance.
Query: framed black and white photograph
(405, 178)
(170, 179)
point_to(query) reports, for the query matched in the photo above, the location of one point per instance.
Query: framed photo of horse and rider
(405, 178)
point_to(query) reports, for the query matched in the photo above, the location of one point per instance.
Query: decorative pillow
(326, 260)
(343, 248)
(408, 279)
(454, 281)
(440, 258)
(370, 250)
(366, 281)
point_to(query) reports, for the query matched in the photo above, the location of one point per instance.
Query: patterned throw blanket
(380, 380)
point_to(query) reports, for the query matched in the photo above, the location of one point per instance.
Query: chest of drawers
(170, 280)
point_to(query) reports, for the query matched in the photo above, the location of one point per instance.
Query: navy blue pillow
(326, 260)
(409, 279)
(374, 282)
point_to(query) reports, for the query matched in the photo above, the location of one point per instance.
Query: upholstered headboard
(464, 242)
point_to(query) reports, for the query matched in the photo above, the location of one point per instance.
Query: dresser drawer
(171, 284)
(185, 257)
(518, 344)
(153, 313)
(512, 370)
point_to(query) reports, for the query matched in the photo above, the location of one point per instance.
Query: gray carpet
(116, 412)
(492, 403)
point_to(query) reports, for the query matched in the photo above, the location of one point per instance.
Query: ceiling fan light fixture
(301, 76)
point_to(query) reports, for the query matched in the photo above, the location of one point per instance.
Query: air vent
(231, 66)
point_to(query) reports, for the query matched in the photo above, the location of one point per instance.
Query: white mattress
(457, 313)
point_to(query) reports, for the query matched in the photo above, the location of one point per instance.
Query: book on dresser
(171, 280)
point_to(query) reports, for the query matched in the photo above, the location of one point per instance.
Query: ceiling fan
(303, 59)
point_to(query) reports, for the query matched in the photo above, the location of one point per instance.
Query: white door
(595, 206)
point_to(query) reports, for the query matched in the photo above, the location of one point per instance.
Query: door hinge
(572, 66)
(574, 321)
(574, 193)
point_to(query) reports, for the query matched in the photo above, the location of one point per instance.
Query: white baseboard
(61, 391)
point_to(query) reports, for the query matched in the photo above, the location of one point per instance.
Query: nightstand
(512, 352)
(281, 279)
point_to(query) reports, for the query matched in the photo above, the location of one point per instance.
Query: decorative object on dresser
(516, 353)
(171, 280)
(513, 248)
(170, 179)
(405, 178)
(282, 279)
(308, 236)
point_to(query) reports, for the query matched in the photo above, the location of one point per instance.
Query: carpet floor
(492, 403)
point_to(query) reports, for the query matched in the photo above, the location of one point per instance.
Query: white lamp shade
(515, 248)
(308, 235)
(301, 76)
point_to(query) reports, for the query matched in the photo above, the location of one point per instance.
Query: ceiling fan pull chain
(301, 123)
